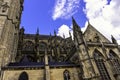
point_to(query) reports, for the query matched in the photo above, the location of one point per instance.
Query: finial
(54, 33)
(49, 39)
(113, 39)
(73, 20)
(22, 29)
(50, 36)
(50, 33)
(70, 34)
(37, 31)
(88, 22)
(63, 35)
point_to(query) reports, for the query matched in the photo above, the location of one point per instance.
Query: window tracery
(99, 60)
(28, 46)
(114, 62)
(42, 46)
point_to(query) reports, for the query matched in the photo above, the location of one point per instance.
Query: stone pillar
(38, 56)
(58, 53)
(47, 70)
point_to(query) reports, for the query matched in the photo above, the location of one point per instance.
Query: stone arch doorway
(23, 76)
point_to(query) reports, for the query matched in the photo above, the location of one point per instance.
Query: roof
(90, 33)
(41, 37)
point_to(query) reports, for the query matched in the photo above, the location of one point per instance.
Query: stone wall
(15, 74)
(57, 74)
(10, 14)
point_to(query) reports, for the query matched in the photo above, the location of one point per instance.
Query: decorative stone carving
(28, 45)
(4, 7)
(96, 38)
(0, 4)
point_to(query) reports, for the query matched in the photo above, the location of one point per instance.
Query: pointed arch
(97, 54)
(27, 58)
(23, 76)
(114, 62)
(66, 75)
(28, 46)
(112, 54)
(42, 45)
(99, 60)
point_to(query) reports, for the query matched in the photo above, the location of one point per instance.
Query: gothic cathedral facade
(88, 56)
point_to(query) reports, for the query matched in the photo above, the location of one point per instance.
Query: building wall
(106, 61)
(9, 27)
(57, 74)
(15, 74)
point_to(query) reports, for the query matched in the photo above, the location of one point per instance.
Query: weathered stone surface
(90, 56)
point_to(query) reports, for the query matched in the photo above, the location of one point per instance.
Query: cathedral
(88, 56)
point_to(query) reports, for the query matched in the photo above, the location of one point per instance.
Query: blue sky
(38, 13)
(50, 15)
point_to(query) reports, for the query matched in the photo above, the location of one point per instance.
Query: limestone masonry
(88, 56)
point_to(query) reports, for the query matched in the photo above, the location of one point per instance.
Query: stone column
(38, 56)
(47, 70)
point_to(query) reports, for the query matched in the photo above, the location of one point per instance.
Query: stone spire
(77, 33)
(70, 35)
(37, 44)
(50, 38)
(63, 35)
(54, 33)
(82, 51)
(37, 36)
(37, 31)
(75, 25)
(114, 40)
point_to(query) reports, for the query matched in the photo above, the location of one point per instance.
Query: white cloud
(104, 17)
(64, 30)
(65, 8)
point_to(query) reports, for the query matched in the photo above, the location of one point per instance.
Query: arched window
(99, 60)
(23, 76)
(42, 46)
(66, 75)
(27, 58)
(114, 59)
(28, 46)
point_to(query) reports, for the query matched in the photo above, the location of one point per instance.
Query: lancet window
(99, 60)
(114, 62)
(66, 75)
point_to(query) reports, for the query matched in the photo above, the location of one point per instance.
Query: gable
(93, 35)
